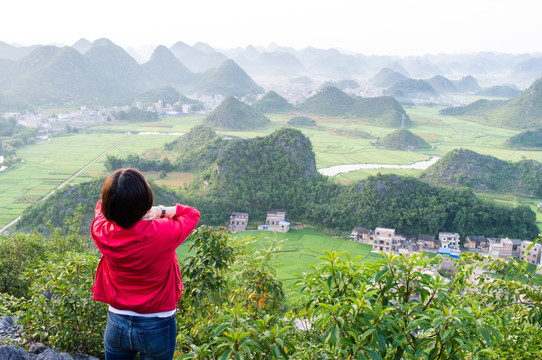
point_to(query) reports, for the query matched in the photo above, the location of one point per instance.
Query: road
(14, 221)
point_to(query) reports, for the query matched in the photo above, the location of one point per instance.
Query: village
(386, 240)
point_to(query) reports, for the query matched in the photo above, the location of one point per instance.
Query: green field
(299, 249)
(47, 165)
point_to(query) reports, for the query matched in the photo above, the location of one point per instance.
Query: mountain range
(103, 73)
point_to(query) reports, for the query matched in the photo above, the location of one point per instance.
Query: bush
(17, 253)
(11, 305)
(61, 311)
(393, 309)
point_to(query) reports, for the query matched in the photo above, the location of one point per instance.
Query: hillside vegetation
(233, 114)
(272, 102)
(463, 167)
(227, 80)
(196, 150)
(234, 278)
(387, 77)
(403, 139)
(382, 111)
(301, 121)
(408, 90)
(63, 204)
(521, 112)
(168, 70)
(106, 75)
(529, 139)
(467, 84)
(442, 84)
(169, 95)
(256, 175)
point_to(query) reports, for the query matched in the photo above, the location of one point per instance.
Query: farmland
(299, 249)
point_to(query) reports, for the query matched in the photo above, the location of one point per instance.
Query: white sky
(382, 27)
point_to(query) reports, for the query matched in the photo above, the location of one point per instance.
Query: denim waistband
(138, 320)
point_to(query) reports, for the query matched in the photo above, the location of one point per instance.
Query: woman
(138, 274)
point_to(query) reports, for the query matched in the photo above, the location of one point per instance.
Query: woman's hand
(153, 213)
(160, 211)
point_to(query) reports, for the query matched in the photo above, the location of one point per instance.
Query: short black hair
(126, 197)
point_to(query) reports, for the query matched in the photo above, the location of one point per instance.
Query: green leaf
(226, 354)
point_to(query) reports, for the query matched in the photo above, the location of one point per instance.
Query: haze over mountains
(101, 73)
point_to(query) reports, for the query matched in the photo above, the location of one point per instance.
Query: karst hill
(382, 111)
(233, 114)
(521, 112)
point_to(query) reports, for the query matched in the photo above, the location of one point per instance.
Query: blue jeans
(125, 336)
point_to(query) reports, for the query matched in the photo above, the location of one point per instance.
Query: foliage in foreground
(234, 307)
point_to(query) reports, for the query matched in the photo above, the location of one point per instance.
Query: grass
(46, 165)
(166, 124)
(300, 248)
(303, 247)
(453, 133)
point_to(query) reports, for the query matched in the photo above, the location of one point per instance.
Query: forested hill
(235, 115)
(196, 150)
(228, 80)
(408, 89)
(259, 174)
(413, 207)
(521, 112)
(272, 102)
(530, 139)
(463, 167)
(403, 139)
(382, 111)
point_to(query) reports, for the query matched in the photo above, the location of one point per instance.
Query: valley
(48, 164)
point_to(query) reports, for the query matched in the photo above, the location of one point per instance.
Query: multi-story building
(449, 240)
(532, 256)
(501, 248)
(275, 221)
(238, 221)
(385, 240)
(516, 247)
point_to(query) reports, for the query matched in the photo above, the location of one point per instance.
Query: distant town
(85, 117)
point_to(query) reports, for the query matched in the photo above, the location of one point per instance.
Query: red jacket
(139, 270)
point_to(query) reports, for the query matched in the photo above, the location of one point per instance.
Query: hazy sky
(383, 27)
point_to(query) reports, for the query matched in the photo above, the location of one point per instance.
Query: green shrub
(61, 311)
(11, 305)
(17, 253)
(239, 336)
(394, 309)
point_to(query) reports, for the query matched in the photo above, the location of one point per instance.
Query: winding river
(339, 169)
